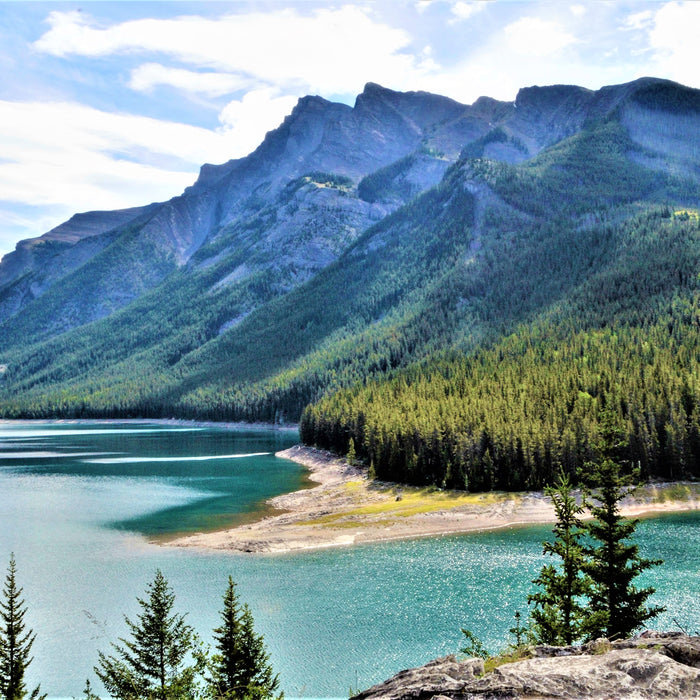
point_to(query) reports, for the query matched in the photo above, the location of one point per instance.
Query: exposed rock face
(248, 218)
(36, 263)
(653, 665)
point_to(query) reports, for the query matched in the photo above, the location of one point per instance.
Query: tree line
(161, 659)
(512, 416)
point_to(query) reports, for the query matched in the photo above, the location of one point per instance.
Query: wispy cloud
(68, 154)
(462, 11)
(328, 50)
(151, 75)
(534, 36)
(638, 20)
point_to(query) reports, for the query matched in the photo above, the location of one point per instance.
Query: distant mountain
(354, 242)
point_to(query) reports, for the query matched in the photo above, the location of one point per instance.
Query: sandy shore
(346, 508)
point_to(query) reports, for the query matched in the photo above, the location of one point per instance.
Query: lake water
(79, 503)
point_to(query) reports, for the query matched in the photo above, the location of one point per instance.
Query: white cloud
(247, 120)
(639, 20)
(462, 11)
(70, 155)
(330, 51)
(150, 75)
(62, 158)
(532, 36)
(578, 10)
(674, 39)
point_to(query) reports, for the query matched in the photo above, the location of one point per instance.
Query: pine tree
(87, 692)
(352, 455)
(558, 615)
(520, 632)
(153, 663)
(15, 642)
(241, 668)
(617, 608)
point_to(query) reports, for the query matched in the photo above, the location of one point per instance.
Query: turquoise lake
(80, 504)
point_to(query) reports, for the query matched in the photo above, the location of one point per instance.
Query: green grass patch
(507, 657)
(404, 502)
(675, 492)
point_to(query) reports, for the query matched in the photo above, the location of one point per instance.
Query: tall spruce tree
(558, 614)
(15, 642)
(241, 667)
(153, 663)
(617, 607)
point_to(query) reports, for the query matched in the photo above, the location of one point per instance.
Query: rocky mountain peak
(397, 144)
(551, 96)
(373, 92)
(423, 109)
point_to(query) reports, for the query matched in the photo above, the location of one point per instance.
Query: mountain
(408, 231)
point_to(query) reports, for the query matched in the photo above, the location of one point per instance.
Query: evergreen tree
(558, 615)
(617, 608)
(352, 455)
(241, 668)
(15, 642)
(473, 646)
(153, 663)
(520, 632)
(87, 692)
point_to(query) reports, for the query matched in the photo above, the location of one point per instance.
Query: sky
(112, 104)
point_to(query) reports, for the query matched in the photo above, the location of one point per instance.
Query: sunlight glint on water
(331, 618)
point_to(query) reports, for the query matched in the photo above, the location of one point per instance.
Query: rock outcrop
(652, 665)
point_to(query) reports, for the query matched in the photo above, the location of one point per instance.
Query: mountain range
(360, 245)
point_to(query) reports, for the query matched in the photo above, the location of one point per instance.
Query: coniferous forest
(473, 337)
(625, 345)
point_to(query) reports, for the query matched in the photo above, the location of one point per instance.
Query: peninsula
(346, 508)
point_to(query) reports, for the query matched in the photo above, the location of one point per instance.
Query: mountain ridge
(356, 241)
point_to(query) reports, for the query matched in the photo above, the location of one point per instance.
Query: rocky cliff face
(246, 216)
(311, 188)
(37, 263)
(653, 665)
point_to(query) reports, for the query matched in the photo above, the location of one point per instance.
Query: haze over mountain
(354, 242)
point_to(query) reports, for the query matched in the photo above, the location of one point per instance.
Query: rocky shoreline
(650, 666)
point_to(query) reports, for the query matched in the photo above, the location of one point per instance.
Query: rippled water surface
(79, 502)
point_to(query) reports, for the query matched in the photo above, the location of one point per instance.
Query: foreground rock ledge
(653, 665)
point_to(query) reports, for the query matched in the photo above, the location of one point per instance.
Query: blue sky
(105, 105)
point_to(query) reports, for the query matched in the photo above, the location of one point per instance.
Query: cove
(79, 504)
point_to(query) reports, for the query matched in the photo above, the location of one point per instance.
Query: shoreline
(342, 507)
(186, 422)
(345, 508)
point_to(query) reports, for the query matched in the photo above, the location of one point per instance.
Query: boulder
(441, 677)
(652, 665)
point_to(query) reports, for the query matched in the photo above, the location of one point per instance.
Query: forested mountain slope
(271, 219)
(623, 347)
(517, 258)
